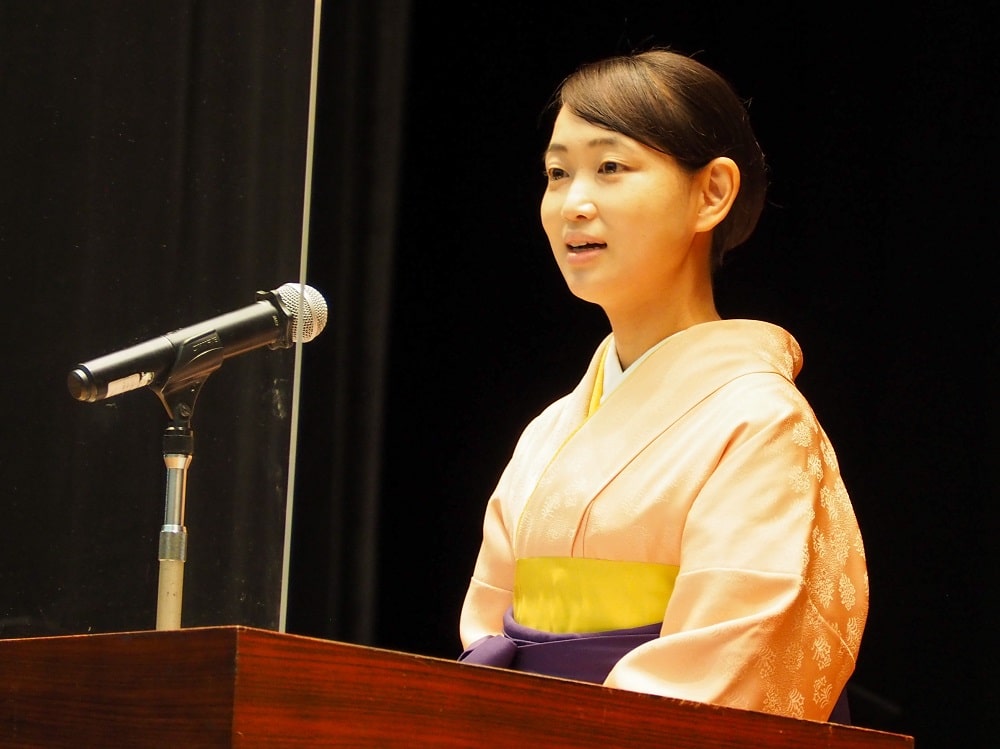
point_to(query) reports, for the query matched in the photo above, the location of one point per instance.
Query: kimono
(702, 499)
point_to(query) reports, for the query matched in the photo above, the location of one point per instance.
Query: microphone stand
(197, 358)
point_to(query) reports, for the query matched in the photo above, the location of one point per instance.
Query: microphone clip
(178, 388)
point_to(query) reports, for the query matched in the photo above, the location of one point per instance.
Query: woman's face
(620, 217)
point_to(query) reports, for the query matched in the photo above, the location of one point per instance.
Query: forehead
(570, 132)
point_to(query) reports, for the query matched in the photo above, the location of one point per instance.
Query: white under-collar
(613, 372)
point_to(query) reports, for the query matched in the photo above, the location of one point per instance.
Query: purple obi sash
(585, 657)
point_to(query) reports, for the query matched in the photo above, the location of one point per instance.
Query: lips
(583, 243)
(586, 246)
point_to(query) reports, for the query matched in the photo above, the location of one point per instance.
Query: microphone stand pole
(197, 358)
(178, 448)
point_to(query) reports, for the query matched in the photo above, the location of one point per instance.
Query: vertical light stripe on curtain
(334, 558)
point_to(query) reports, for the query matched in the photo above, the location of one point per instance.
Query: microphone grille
(308, 308)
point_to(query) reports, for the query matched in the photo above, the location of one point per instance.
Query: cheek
(548, 212)
(665, 221)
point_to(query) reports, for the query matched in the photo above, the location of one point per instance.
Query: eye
(610, 167)
(554, 173)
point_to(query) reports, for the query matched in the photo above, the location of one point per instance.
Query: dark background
(151, 176)
(153, 160)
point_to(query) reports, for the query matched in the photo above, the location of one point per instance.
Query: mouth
(585, 247)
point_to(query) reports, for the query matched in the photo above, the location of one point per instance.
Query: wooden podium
(236, 686)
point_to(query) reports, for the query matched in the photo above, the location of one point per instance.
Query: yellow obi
(571, 594)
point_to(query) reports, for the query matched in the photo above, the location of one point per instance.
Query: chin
(585, 293)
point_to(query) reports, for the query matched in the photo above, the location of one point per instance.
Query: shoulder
(753, 344)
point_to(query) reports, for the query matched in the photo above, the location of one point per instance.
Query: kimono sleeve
(772, 595)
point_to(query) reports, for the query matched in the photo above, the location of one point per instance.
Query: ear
(718, 184)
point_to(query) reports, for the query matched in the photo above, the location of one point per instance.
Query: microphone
(292, 313)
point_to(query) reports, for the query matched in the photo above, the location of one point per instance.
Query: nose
(579, 204)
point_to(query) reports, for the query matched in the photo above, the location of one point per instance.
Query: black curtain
(334, 581)
(153, 160)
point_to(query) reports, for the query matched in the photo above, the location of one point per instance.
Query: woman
(677, 524)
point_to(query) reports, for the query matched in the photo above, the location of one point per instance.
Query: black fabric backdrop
(152, 177)
(152, 162)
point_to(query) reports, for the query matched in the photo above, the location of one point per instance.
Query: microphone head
(307, 307)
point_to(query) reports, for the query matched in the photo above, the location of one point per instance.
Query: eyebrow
(605, 140)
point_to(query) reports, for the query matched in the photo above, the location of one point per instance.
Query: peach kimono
(701, 494)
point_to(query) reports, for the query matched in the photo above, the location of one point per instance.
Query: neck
(643, 316)
(638, 330)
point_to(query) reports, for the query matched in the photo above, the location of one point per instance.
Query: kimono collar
(612, 367)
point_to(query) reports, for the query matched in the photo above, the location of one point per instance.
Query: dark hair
(680, 107)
